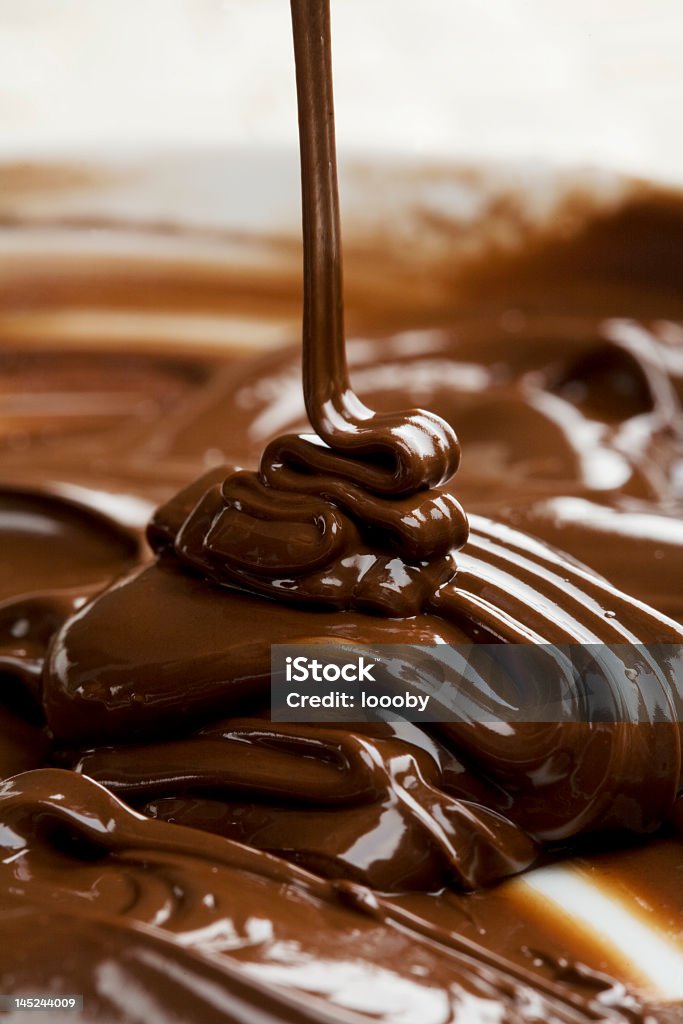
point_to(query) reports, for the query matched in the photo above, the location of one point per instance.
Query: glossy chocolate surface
(171, 853)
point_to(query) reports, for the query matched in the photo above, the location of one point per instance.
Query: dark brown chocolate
(331, 873)
(339, 517)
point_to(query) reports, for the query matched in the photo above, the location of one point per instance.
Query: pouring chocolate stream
(415, 449)
(354, 515)
(352, 533)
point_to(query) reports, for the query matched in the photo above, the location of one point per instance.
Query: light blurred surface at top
(571, 81)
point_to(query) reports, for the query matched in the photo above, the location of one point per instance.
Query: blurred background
(570, 81)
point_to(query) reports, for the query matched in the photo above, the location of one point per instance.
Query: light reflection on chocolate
(324, 873)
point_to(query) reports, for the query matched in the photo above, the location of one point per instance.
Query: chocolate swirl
(319, 880)
(331, 842)
(157, 915)
(414, 449)
(338, 517)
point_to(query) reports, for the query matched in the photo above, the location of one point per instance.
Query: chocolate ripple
(153, 914)
(154, 680)
(338, 517)
(149, 686)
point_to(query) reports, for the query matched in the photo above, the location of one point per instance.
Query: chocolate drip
(417, 448)
(327, 872)
(337, 517)
(159, 684)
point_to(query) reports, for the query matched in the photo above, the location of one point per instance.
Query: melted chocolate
(168, 673)
(220, 932)
(325, 871)
(336, 518)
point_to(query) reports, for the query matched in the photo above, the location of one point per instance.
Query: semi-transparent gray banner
(504, 683)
